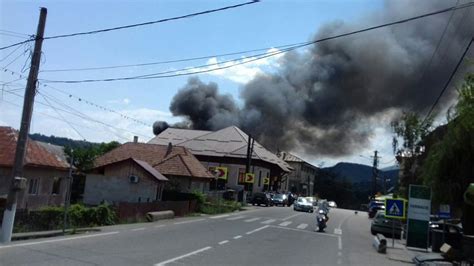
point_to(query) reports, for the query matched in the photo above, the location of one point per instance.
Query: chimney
(135, 139)
(170, 148)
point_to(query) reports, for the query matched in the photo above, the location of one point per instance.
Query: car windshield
(187, 132)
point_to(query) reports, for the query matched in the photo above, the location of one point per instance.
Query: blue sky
(265, 24)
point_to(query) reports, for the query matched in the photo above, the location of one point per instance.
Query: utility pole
(374, 174)
(17, 171)
(67, 199)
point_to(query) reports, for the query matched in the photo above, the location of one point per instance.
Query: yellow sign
(219, 171)
(249, 178)
(266, 180)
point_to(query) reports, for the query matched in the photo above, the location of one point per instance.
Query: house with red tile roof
(46, 169)
(139, 172)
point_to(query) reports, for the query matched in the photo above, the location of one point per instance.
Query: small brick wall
(127, 210)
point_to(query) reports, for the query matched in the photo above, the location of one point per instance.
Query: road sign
(219, 171)
(395, 208)
(419, 209)
(266, 180)
(249, 178)
(444, 211)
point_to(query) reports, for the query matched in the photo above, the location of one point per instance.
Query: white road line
(268, 221)
(138, 229)
(237, 237)
(302, 231)
(256, 230)
(219, 216)
(302, 226)
(183, 256)
(339, 243)
(337, 231)
(235, 218)
(57, 240)
(190, 221)
(252, 220)
(159, 225)
(291, 216)
(223, 242)
(339, 253)
(339, 261)
(285, 223)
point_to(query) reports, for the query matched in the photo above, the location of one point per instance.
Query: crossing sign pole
(395, 209)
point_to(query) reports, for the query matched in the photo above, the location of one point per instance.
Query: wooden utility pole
(375, 174)
(17, 182)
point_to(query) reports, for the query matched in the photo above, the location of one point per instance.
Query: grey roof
(227, 142)
(56, 150)
(152, 171)
(288, 157)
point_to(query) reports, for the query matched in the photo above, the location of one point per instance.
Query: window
(33, 186)
(56, 186)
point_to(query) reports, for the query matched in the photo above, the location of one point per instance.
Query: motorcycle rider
(321, 219)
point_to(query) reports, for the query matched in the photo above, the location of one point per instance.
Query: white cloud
(126, 101)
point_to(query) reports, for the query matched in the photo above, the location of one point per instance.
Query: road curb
(45, 234)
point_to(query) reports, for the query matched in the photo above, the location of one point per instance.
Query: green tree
(449, 167)
(411, 130)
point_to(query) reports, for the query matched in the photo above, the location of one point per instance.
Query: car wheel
(253, 204)
(373, 232)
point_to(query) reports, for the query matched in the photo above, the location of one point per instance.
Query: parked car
(332, 204)
(386, 226)
(260, 198)
(375, 206)
(302, 204)
(280, 199)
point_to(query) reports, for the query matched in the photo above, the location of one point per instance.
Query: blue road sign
(395, 208)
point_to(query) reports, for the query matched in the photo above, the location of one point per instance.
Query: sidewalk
(401, 253)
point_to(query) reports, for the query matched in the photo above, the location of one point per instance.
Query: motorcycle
(321, 220)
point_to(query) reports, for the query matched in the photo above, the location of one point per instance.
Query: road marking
(57, 240)
(302, 226)
(138, 229)
(285, 223)
(223, 242)
(339, 261)
(268, 221)
(190, 221)
(339, 253)
(337, 231)
(235, 218)
(252, 220)
(302, 231)
(256, 230)
(219, 216)
(159, 225)
(237, 237)
(339, 243)
(291, 216)
(183, 256)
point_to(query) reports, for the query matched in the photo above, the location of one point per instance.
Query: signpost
(249, 178)
(395, 209)
(419, 209)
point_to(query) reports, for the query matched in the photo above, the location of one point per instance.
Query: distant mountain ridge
(361, 174)
(61, 141)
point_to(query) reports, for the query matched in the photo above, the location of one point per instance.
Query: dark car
(374, 207)
(260, 198)
(385, 226)
(280, 199)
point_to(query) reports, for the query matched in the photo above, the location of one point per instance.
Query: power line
(157, 75)
(170, 61)
(15, 32)
(448, 81)
(138, 24)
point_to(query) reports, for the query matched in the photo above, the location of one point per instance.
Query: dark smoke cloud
(159, 126)
(321, 101)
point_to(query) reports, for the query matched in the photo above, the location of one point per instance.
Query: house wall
(114, 185)
(233, 174)
(187, 184)
(299, 177)
(43, 196)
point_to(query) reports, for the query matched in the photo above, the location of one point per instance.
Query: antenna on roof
(170, 148)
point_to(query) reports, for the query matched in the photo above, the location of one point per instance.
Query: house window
(56, 186)
(33, 186)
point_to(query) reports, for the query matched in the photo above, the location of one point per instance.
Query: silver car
(302, 204)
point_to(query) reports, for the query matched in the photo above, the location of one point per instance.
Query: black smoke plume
(322, 100)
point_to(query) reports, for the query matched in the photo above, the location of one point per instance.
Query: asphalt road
(261, 236)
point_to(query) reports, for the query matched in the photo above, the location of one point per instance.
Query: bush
(219, 207)
(51, 218)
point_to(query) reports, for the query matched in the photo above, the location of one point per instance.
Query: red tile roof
(179, 161)
(36, 155)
